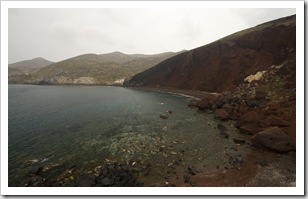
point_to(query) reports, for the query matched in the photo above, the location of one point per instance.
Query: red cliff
(225, 63)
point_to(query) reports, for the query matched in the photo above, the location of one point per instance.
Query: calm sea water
(83, 125)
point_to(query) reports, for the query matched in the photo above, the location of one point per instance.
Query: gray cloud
(57, 34)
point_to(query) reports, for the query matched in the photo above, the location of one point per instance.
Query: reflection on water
(53, 129)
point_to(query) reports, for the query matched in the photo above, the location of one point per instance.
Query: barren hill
(20, 71)
(104, 69)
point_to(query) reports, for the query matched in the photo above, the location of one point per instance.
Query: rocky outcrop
(261, 104)
(225, 63)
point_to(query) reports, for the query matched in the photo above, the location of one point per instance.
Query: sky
(60, 33)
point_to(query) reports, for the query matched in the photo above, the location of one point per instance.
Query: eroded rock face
(273, 138)
(220, 65)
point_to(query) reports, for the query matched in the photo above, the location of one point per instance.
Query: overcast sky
(58, 34)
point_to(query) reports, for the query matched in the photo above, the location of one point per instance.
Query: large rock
(221, 114)
(273, 138)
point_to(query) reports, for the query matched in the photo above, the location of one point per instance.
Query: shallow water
(81, 126)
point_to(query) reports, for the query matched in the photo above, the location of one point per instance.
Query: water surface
(82, 125)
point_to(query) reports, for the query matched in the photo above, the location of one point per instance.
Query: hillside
(104, 69)
(20, 71)
(35, 63)
(225, 63)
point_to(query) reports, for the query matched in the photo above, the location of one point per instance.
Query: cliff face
(225, 63)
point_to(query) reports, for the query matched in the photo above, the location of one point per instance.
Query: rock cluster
(257, 107)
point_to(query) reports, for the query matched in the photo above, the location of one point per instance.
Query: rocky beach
(260, 146)
(264, 111)
(220, 115)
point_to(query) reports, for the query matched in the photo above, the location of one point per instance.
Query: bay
(80, 126)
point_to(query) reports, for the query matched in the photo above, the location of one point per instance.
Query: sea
(52, 129)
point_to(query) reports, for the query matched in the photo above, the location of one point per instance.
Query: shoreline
(255, 165)
(196, 95)
(252, 167)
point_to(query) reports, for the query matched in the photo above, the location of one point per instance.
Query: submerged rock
(163, 116)
(34, 161)
(222, 130)
(239, 141)
(169, 111)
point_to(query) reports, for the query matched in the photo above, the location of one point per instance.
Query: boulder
(239, 141)
(273, 121)
(250, 117)
(221, 114)
(273, 138)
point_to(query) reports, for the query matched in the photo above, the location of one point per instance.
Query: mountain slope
(225, 63)
(111, 68)
(20, 71)
(35, 63)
